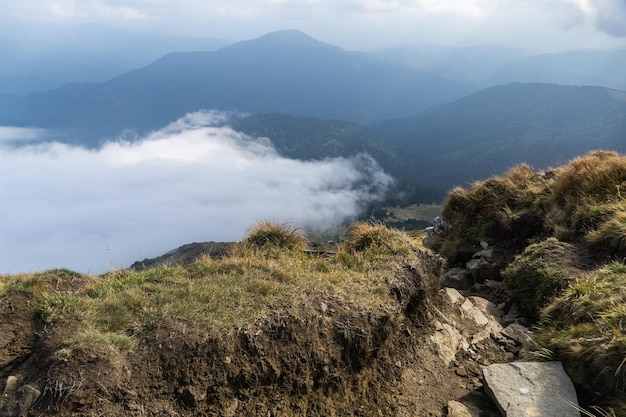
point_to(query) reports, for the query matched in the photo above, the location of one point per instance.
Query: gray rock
(481, 269)
(521, 334)
(20, 402)
(538, 389)
(487, 254)
(438, 227)
(457, 409)
(486, 306)
(514, 315)
(458, 278)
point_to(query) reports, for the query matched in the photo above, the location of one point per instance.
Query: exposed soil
(323, 358)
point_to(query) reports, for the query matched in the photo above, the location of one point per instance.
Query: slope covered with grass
(567, 231)
(268, 329)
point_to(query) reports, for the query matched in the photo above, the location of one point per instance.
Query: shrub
(540, 272)
(268, 235)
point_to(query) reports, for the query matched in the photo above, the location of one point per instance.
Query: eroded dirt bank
(323, 357)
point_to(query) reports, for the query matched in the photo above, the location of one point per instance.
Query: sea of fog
(196, 180)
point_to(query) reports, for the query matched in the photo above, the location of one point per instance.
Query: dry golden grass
(222, 293)
(583, 201)
(611, 233)
(509, 207)
(269, 235)
(600, 175)
(376, 238)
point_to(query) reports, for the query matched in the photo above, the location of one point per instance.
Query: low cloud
(9, 134)
(195, 180)
(612, 17)
(608, 16)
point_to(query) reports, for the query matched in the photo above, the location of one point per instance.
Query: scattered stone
(10, 385)
(481, 269)
(505, 306)
(20, 402)
(454, 296)
(487, 254)
(486, 306)
(531, 389)
(190, 397)
(514, 315)
(521, 334)
(448, 341)
(458, 278)
(438, 227)
(458, 409)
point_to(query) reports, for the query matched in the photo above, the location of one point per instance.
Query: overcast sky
(355, 24)
(94, 210)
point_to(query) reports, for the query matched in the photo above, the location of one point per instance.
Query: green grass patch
(586, 328)
(540, 273)
(58, 304)
(261, 274)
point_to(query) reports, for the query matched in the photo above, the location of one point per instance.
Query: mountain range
(430, 130)
(285, 72)
(469, 139)
(487, 66)
(46, 56)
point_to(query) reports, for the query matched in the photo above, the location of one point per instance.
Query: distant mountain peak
(283, 38)
(288, 35)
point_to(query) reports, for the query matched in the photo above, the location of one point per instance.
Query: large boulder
(531, 389)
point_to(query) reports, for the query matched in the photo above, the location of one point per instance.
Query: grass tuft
(270, 235)
(376, 238)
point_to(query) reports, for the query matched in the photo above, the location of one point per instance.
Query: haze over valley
(120, 141)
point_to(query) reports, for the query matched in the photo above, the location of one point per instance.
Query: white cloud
(18, 134)
(608, 16)
(90, 210)
(357, 23)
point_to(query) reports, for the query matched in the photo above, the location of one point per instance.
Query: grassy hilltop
(268, 327)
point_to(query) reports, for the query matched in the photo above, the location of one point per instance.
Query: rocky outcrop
(470, 322)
